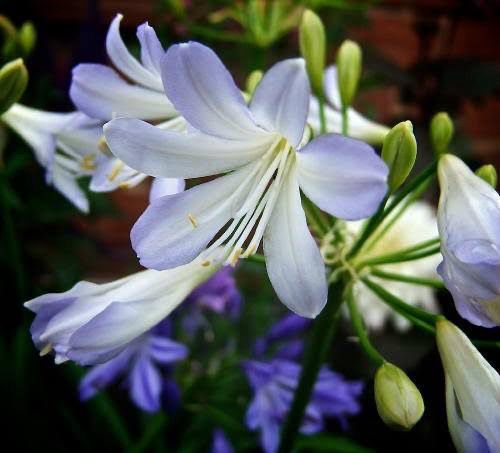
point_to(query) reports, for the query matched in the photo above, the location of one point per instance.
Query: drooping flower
(65, 144)
(417, 224)
(92, 323)
(220, 443)
(360, 127)
(472, 392)
(468, 220)
(342, 176)
(274, 383)
(143, 366)
(100, 91)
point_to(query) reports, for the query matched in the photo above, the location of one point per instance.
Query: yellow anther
(205, 263)
(103, 145)
(192, 220)
(46, 349)
(236, 257)
(117, 168)
(124, 185)
(88, 162)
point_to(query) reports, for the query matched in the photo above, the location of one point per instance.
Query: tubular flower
(65, 144)
(93, 323)
(263, 147)
(468, 220)
(274, 383)
(472, 392)
(360, 127)
(143, 365)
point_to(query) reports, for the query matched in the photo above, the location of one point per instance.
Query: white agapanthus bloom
(417, 224)
(359, 126)
(261, 145)
(65, 144)
(472, 392)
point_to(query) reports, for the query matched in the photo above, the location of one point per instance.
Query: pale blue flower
(258, 201)
(469, 227)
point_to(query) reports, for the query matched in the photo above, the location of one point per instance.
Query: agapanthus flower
(143, 366)
(220, 443)
(472, 392)
(469, 227)
(417, 224)
(65, 144)
(342, 176)
(92, 323)
(274, 383)
(359, 126)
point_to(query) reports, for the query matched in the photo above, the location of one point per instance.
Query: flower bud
(399, 153)
(488, 174)
(27, 37)
(349, 59)
(312, 42)
(253, 80)
(13, 81)
(441, 132)
(399, 402)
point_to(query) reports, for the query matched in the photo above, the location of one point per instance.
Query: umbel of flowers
(283, 186)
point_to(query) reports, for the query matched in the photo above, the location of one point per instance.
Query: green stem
(322, 116)
(432, 282)
(257, 258)
(382, 213)
(11, 240)
(318, 347)
(360, 329)
(345, 120)
(315, 217)
(400, 306)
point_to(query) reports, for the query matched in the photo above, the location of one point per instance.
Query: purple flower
(140, 366)
(221, 443)
(274, 383)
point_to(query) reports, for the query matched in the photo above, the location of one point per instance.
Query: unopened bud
(253, 80)
(399, 402)
(13, 81)
(488, 174)
(441, 132)
(399, 153)
(312, 42)
(349, 59)
(27, 37)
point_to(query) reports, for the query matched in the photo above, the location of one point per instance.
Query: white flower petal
(169, 154)
(281, 99)
(293, 260)
(165, 186)
(151, 49)
(66, 183)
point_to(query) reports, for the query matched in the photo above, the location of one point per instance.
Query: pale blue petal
(165, 186)
(151, 49)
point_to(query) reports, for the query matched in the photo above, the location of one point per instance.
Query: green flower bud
(489, 174)
(399, 153)
(253, 80)
(399, 402)
(13, 81)
(312, 42)
(349, 60)
(441, 132)
(27, 37)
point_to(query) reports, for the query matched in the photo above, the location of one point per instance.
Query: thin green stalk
(432, 282)
(317, 350)
(345, 120)
(400, 306)
(11, 241)
(257, 258)
(382, 213)
(398, 257)
(315, 217)
(322, 115)
(361, 332)
(154, 427)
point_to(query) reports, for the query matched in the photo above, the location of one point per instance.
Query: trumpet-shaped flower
(100, 91)
(65, 144)
(359, 126)
(274, 383)
(417, 224)
(143, 366)
(262, 147)
(92, 323)
(468, 220)
(472, 392)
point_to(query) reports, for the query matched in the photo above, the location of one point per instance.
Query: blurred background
(420, 57)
